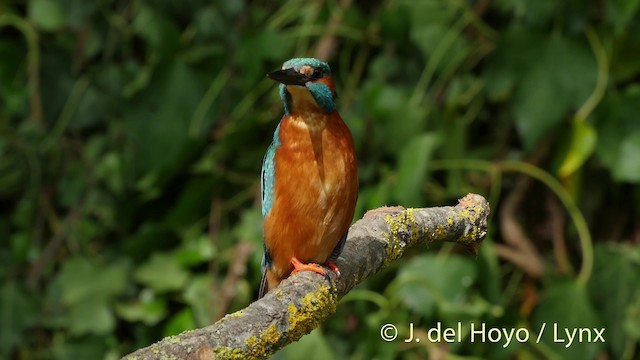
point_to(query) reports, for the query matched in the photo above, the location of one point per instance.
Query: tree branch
(305, 300)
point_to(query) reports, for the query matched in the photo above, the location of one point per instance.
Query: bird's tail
(264, 285)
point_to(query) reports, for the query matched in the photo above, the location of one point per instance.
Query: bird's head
(306, 84)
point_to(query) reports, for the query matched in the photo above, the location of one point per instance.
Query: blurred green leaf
(90, 316)
(158, 119)
(86, 291)
(78, 11)
(582, 145)
(196, 251)
(110, 170)
(615, 291)
(565, 305)
(310, 347)
(181, 321)
(559, 72)
(148, 309)
(427, 282)
(631, 322)
(47, 14)
(396, 118)
(162, 272)
(156, 28)
(79, 281)
(625, 57)
(489, 266)
(628, 165)
(621, 12)
(199, 295)
(19, 312)
(413, 168)
(88, 347)
(616, 122)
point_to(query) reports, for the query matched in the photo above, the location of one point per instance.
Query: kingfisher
(309, 177)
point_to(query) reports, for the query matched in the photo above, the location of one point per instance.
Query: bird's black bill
(289, 77)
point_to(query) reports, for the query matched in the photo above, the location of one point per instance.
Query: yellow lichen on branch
(305, 300)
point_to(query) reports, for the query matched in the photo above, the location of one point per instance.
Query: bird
(309, 177)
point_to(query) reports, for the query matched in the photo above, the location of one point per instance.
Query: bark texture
(305, 300)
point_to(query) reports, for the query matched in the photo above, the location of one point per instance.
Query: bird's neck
(299, 100)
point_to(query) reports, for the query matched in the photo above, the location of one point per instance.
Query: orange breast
(315, 190)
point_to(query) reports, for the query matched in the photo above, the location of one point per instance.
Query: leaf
(548, 76)
(90, 316)
(157, 120)
(621, 12)
(615, 292)
(148, 309)
(79, 280)
(86, 291)
(565, 306)
(442, 45)
(627, 167)
(510, 60)
(397, 119)
(583, 143)
(156, 28)
(616, 120)
(413, 168)
(162, 272)
(181, 321)
(46, 14)
(198, 296)
(310, 347)
(533, 121)
(195, 251)
(625, 59)
(19, 311)
(86, 347)
(428, 282)
(488, 265)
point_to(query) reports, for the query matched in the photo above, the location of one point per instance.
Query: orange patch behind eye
(329, 82)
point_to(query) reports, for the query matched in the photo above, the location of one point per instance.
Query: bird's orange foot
(331, 265)
(299, 266)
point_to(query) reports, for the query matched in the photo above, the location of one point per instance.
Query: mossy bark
(305, 300)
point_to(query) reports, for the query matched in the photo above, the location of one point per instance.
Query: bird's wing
(267, 188)
(268, 174)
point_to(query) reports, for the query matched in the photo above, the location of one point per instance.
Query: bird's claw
(299, 266)
(331, 265)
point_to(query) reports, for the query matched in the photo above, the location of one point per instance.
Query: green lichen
(400, 225)
(315, 307)
(255, 347)
(440, 233)
(472, 213)
(278, 293)
(161, 353)
(237, 314)
(261, 345)
(225, 352)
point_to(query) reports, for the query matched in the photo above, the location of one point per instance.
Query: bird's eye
(317, 74)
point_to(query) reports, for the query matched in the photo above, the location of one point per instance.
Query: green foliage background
(131, 139)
